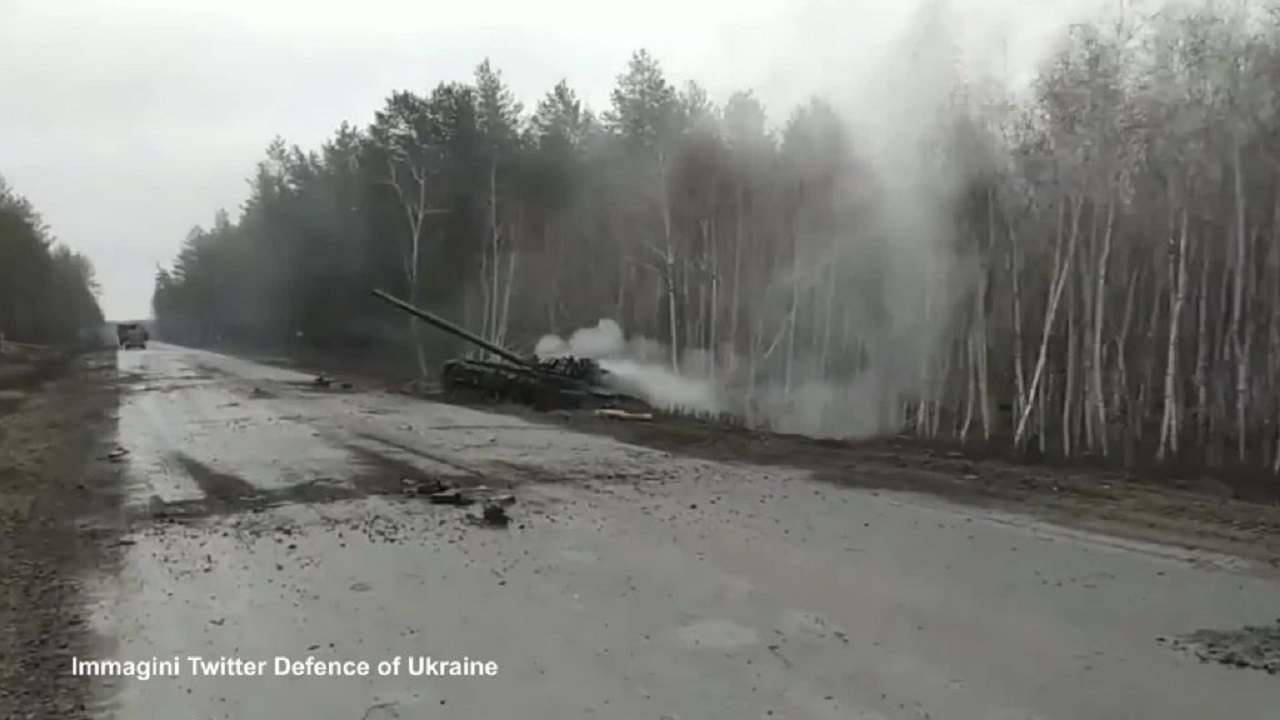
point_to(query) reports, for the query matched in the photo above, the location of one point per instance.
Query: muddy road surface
(262, 516)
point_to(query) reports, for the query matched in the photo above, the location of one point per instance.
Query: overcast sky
(127, 122)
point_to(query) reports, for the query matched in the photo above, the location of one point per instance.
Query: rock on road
(268, 519)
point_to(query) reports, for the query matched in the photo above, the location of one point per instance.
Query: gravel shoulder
(1201, 514)
(56, 503)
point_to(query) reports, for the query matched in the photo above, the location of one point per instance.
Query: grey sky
(127, 122)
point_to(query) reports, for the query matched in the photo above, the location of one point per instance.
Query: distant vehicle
(132, 335)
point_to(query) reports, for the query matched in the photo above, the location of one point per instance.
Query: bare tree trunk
(416, 211)
(1275, 325)
(1151, 352)
(669, 261)
(1120, 393)
(1177, 297)
(1015, 272)
(713, 359)
(752, 355)
(487, 298)
(791, 322)
(791, 340)
(1043, 435)
(494, 239)
(506, 298)
(1201, 379)
(1240, 335)
(984, 384)
(980, 308)
(830, 276)
(736, 300)
(939, 384)
(1099, 320)
(1069, 380)
(1062, 268)
(971, 382)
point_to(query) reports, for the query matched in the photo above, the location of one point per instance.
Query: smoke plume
(634, 366)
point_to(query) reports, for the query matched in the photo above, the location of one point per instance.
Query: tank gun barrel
(450, 328)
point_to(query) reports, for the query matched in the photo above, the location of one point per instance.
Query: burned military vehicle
(545, 384)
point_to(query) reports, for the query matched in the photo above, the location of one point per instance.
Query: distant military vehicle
(132, 335)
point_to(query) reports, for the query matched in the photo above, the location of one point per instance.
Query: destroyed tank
(545, 384)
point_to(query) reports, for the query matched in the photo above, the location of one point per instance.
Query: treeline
(47, 292)
(1090, 268)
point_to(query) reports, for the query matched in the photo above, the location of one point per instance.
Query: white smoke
(633, 367)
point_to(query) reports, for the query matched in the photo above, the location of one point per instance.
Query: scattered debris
(495, 515)
(412, 487)
(415, 387)
(449, 497)
(616, 414)
(1256, 647)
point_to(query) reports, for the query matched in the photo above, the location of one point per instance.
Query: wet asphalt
(272, 518)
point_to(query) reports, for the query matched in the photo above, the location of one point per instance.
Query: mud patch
(216, 486)
(226, 494)
(1253, 646)
(410, 450)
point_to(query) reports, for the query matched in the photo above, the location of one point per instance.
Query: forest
(48, 294)
(1087, 268)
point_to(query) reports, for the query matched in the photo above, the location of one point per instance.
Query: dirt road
(264, 517)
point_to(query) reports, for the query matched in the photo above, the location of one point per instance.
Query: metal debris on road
(412, 487)
(449, 497)
(616, 414)
(1256, 647)
(495, 515)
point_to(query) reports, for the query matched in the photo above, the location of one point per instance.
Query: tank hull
(550, 384)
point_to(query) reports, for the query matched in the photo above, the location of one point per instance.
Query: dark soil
(56, 499)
